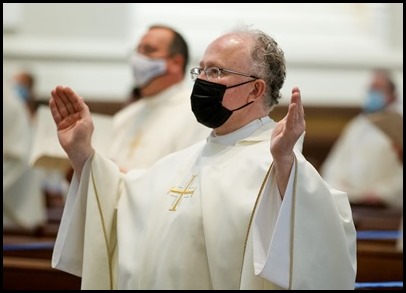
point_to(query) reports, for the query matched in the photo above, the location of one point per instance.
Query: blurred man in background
(23, 199)
(366, 160)
(160, 121)
(23, 86)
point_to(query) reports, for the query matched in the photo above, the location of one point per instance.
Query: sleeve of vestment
(311, 244)
(86, 240)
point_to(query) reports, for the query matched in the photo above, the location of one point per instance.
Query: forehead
(380, 81)
(229, 51)
(23, 78)
(155, 39)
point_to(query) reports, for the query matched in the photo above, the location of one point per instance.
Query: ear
(258, 90)
(175, 63)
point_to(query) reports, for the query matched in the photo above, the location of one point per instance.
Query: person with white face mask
(366, 160)
(160, 122)
(145, 69)
(24, 88)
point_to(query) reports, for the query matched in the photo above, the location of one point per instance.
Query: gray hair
(268, 63)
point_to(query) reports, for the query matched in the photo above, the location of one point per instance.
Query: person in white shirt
(24, 206)
(367, 159)
(242, 209)
(159, 122)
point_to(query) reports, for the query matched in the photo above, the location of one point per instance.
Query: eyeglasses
(214, 72)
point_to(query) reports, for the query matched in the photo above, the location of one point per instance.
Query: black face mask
(206, 100)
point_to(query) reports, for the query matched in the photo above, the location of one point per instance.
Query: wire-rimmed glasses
(215, 73)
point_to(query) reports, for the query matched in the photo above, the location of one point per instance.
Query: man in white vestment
(160, 121)
(242, 209)
(366, 160)
(24, 207)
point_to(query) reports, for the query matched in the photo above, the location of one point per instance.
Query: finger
(54, 108)
(292, 116)
(297, 99)
(293, 109)
(60, 105)
(65, 97)
(75, 100)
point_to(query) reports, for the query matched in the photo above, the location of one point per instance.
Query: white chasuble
(153, 127)
(363, 161)
(184, 223)
(24, 204)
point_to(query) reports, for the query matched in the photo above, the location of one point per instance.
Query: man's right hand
(74, 125)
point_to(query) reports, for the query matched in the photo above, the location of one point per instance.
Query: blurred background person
(53, 183)
(24, 88)
(160, 121)
(367, 158)
(133, 96)
(24, 207)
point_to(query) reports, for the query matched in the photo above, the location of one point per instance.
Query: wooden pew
(28, 246)
(376, 218)
(27, 265)
(22, 273)
(379, 261)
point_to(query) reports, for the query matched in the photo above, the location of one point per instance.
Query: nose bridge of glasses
(195, 72)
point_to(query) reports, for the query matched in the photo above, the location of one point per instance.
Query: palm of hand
(74, 128)
(288, 130)
(284, 137)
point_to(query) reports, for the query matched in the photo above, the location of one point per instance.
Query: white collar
(239, 134)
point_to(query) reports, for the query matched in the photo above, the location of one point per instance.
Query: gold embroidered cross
(179, 193)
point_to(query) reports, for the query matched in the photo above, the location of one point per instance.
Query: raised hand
(74, 125)
(285, 135)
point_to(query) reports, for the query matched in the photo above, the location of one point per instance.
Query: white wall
(330, 48)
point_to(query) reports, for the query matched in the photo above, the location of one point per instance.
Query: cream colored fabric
(363, 160)
(23, 200)
(153, 127)
(134, 231)
(311, 243)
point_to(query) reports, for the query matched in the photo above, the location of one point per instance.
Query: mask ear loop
(238, 84)
(245, 105)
